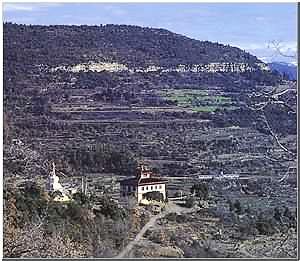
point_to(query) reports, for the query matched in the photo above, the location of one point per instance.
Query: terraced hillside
(98, 99)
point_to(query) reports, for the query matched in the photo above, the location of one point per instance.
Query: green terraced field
(198, 100)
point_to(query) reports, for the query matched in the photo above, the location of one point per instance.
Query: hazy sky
(249, 26)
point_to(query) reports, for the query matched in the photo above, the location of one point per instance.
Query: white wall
(155, 187)
(140, 191)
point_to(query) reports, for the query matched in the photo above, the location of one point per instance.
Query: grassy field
(198, 100)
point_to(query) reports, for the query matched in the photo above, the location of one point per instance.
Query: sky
(251, 26)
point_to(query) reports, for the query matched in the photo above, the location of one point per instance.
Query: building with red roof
(144, 182)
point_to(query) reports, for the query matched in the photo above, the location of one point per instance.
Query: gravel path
(170, 208)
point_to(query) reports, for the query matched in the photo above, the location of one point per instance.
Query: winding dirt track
(170, 208)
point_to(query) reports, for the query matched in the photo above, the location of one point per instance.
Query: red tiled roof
(145, 181)
(152, 181)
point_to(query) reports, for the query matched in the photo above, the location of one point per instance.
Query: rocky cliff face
(202, 67)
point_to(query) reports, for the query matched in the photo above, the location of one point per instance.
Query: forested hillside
(131, 45)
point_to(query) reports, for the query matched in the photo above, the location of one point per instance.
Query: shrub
(32, 189)
(265, 226)
(247, 227)
(156, 237)
(181, 218)
(80, 198)
(189, 202)
(110, 208)
(31, 202)
(74, 211)
(237, 207)
(277, 215)
(201, 250)
(171, 216)
(231, 207)
(200, 190)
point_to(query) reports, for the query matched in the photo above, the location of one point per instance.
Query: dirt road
(171, 207)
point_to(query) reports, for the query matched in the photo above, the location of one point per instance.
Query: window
(146, 187)
(123, 194)
(133, 188)
(142, 188)
(155, 187)
(151, 187)
(160, 186)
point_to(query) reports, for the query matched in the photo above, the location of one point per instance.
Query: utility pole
(83, 185)
(53, 168)
(86, 185)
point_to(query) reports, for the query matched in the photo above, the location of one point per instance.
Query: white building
(144, 182)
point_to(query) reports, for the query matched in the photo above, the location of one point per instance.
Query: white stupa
(53, 181)
(54, 185)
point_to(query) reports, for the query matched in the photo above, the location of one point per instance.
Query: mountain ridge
(284, 68)
(131, 45)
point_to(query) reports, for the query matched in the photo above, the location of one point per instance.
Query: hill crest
(129, 45)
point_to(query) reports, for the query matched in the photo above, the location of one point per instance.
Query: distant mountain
(284, 68)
